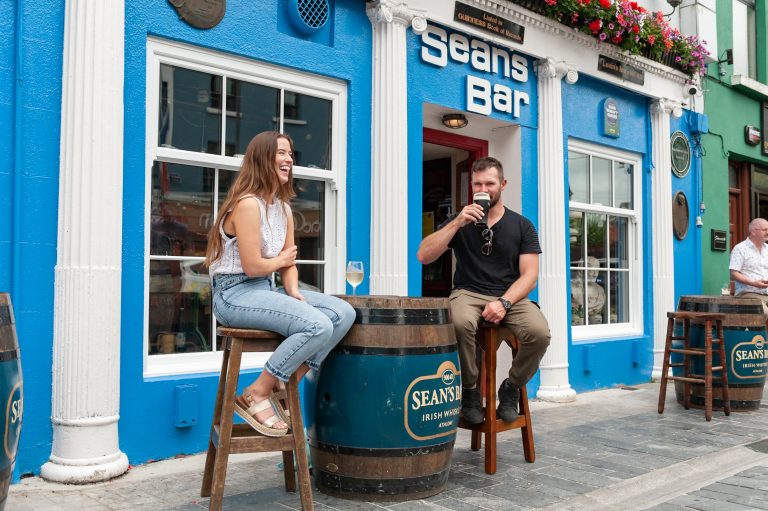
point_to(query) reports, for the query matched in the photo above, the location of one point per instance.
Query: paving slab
(609, 449)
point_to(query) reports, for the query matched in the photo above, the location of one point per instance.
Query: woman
(252, 238)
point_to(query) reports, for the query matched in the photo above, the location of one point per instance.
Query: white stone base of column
(78, 451)
(564, 394)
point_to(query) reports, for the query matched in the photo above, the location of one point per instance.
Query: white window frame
(173, 53)
(634, 328)
(744, 13)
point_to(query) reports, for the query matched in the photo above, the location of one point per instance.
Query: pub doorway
(446, 162)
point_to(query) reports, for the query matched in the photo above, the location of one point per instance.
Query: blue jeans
(311, 328)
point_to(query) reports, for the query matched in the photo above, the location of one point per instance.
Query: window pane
(179, 307)
(308, 214)
(190, 110)
(226, 178)
(733, 176)
(181, 209)
(251, 109)
(577, 238)
(619, 298)
(310, 277)
(601, 181)
(596, 250)
(308, 121)
(578, 177)
(577, 297)
(619, 242)
(596, 294)
(622, 185)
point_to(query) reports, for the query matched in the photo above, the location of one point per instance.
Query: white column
(86, 333)
(553, 268)
(389, 160)
(663, 258)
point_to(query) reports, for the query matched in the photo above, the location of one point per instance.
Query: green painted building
(735, 149)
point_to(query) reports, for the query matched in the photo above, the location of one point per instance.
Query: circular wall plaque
(681, 154)
(680, 215)
(200, 13)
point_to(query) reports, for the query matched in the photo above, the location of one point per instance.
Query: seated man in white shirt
(749, 263)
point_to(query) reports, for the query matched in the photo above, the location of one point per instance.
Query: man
(749, 263)
(496, 267)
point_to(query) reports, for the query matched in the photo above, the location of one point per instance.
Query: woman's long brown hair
(257, 176)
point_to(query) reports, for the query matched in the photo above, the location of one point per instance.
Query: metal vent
(314, 13)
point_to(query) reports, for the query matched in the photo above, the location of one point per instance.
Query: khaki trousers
(525, 320)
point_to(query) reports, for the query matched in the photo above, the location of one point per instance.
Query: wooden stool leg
(490, 401)
(205, 490)
(289, 471)
(708, 369)
(300, 445)
(225, 429)
(687, 363)
(665, 365)
(724, 371)
(527, 431)
(477, 440)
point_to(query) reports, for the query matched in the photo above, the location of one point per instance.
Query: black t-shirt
(492, 274)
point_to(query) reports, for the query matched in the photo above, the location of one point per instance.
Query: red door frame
(476, 147)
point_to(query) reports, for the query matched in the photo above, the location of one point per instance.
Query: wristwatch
(506, 303)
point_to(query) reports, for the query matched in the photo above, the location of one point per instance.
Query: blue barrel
(746, 351)
(384, 412)
(11, 392)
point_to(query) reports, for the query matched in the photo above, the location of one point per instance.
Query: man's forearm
(434, 245)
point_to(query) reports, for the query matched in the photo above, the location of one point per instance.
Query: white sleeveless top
(274, 226)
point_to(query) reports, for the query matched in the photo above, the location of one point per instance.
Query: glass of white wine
(354, 274)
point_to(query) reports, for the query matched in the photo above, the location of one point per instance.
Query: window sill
(750, 87)
(599, 333)
(157, 366)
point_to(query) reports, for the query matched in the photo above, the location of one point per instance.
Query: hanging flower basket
(628, 26)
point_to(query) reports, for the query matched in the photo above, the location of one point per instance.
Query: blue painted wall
(606, 363)
(31, 46)
(342, 51)
(688, 266)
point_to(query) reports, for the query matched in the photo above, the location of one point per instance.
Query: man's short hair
(755, 224)
(486, 163)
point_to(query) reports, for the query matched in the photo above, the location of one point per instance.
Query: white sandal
(249, 415)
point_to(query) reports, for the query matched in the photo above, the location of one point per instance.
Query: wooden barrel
(386, 407)
(746, 352)
(11, 386)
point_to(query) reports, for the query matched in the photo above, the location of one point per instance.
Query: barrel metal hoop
(383, 453)
(725, 308)
(373, 316)
(7, 355)
(394, 486)
(395, 352)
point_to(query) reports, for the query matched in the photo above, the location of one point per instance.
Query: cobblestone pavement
(607, 450)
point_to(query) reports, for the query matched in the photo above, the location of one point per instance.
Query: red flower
(616, 39)
(605, 4)
(595, 26)
(635, 29)
(633, 5)
(651, 39)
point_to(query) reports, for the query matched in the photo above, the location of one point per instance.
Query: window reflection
(308, 122)
(308, 207)
(253, 108)
(189, 110)
(179, 307)
(181, 209)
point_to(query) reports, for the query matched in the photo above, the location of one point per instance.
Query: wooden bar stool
(707, 319)
(227, 438)
(490, 337)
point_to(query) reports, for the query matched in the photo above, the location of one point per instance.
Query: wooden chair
(490, 337)
(707, 319)
(226, 438)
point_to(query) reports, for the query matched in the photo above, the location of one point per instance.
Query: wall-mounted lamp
(725, 58)
(674, 4)
(455, 121)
